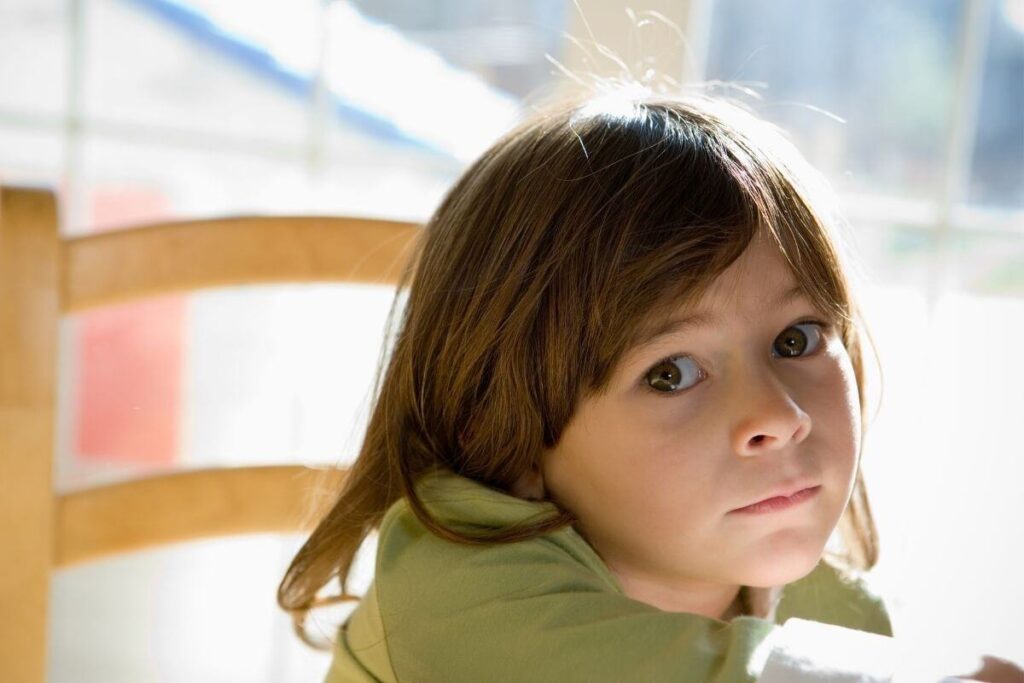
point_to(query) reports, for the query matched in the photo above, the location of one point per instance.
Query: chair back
(44, 277)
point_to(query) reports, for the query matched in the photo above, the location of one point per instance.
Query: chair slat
(120, 265)
(191, 505)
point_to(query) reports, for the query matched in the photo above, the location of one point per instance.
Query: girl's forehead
(759, 281)
(758, 302)
(756, 276)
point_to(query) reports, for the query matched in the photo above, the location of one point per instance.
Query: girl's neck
(737, 608)
(710, 601)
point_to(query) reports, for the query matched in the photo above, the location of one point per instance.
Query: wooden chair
(42, 277)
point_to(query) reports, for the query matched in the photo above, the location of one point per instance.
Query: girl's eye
(674, 374)
(793, 345)
(668, 375)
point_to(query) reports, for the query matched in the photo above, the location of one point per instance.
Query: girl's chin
(780, 569)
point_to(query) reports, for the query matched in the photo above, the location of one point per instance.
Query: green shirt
(548, 608)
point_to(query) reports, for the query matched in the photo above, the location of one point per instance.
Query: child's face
(655, 477)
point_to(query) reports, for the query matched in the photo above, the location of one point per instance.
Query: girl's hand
(996, 670)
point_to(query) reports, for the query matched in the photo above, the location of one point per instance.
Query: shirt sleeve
(546, 609)
(530, 611)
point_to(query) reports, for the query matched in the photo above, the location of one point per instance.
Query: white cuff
(803, 651)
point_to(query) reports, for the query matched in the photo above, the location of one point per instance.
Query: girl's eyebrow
(706, 318)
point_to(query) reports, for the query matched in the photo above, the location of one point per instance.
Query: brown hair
(545, 262)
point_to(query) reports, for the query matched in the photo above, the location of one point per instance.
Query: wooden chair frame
(43, 277)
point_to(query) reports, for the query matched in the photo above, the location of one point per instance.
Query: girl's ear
(530, 485)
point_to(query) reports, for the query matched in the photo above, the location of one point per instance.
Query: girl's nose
(766, 417)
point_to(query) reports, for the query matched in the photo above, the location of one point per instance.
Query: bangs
(684, 189)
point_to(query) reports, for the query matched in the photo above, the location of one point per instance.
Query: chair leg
(29, 316)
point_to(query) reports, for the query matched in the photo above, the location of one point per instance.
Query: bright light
(373, 67)
(376, 68)
(1014, 11)
(620, 102)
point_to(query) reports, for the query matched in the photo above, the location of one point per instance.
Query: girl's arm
(526, 612)
(538, 611)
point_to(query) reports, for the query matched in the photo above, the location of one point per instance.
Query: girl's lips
(780, 502)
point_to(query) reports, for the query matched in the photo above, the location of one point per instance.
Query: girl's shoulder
(835, 593)
(469, 506)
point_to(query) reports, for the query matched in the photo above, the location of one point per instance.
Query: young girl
(621, 421)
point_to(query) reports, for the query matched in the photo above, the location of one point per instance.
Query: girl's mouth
(779, 503)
